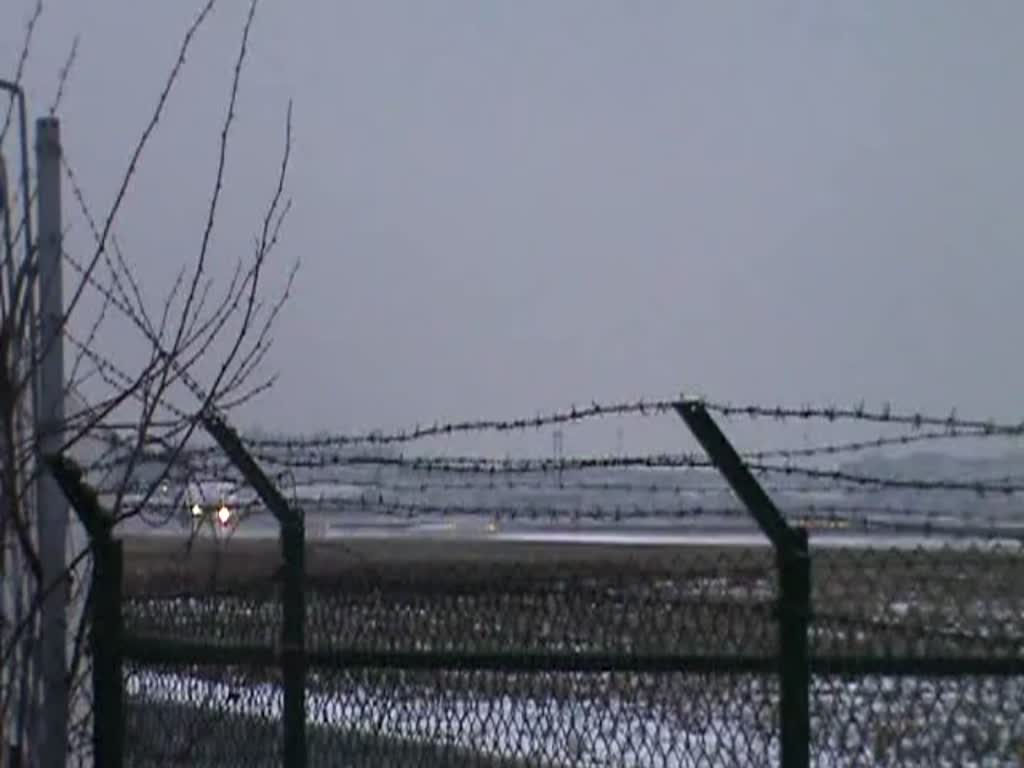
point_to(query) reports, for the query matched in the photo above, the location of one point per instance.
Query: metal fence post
(794, 652)
(794, 565)
(107, 622)
(52, 508)
(293, 656)
(293, 597)
(106, 643)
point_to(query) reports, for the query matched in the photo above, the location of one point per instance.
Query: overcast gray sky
(504, 207)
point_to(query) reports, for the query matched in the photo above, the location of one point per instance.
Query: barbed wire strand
(915, 421)
(467, 465)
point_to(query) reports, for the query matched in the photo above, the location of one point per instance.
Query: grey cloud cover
(508, 206)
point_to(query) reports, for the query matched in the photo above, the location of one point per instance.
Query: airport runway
(327, 528)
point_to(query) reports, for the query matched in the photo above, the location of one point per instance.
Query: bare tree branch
(19, 72)
(219, 176)
(136, 157)
(198, 320)
(65, 73)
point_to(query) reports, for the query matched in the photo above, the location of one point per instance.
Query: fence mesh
(638, 603)
(940, 616)
(202, 715)
(887, 721)
(545, 718)
(462, 610)
(960, 599)
(568, 655)
(548, 658)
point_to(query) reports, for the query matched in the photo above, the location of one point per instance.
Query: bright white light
(224, 515)
(197, 511)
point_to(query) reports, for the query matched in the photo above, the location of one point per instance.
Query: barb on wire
(478, 465)
(403, 509)
(19, 71)
(920, 521)
(995, 486)
(133, 163)
(308, 445)
(115, 294)
(499, 482)
(462, 465)
(571, 415)
(65, 73)
(473, 465)
(534, 512)
(858, 446)
(813, 515)
(861, 413)
(115, 376)
(940, 427)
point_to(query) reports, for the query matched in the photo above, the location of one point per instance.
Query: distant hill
(935, 465)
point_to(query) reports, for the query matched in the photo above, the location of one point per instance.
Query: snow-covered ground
(869, 722)
(545, 731)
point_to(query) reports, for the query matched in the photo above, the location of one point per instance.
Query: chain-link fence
(446, 650)
(652, 659)
(925, 651)
(667, 657)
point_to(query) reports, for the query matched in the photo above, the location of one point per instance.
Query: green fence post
(794, 652)
(293, 656)
(106, 631)
(293, 597)
(106, 642)
(794, 566)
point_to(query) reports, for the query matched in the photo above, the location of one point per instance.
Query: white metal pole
(53, 507)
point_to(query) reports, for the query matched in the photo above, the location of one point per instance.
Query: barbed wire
(536, 512)
(105, 366)
(860, 413)
(950, 426)
(19, 70)
(813, 451)
(857, 446)
(63, 76)
(485, 466)
(844, 513)
(312, 453)
(309, 452)
(384, 494)
(1006, 486)
(405, 509)
(224, 472)
(471, 465)
(371, 489)
(931, 527)
(444, 429)
(836, 517)
(451, 464)
(500, 483)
